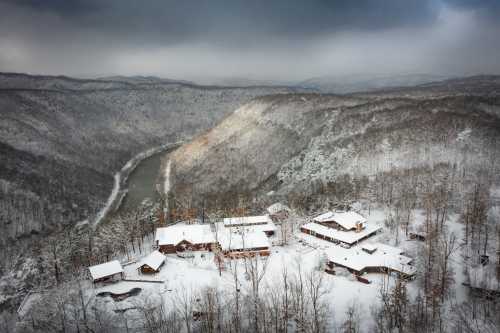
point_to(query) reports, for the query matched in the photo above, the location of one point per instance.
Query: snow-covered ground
(179, 274)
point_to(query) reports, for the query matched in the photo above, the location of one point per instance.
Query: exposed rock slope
(292, 143)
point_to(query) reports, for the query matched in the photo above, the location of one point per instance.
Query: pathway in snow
(166, 184)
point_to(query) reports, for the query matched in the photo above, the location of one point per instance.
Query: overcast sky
(284, 40)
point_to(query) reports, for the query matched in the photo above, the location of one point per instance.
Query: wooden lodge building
(240, 245)
(235, 237)
(344, 238)
(182, 237)
(152, 263)
(106, 271)
(375, 258)
(342, 221)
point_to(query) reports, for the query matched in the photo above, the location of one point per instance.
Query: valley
(415, 160)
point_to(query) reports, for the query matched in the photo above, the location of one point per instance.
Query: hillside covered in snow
(303, 148)
(62, 139)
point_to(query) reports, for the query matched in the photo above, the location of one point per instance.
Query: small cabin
(236, 246)
(152, 263)
(384, 259)
(107, 271)
(182, 237)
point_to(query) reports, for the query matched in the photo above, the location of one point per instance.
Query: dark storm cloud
(164, 21)
(280, 39)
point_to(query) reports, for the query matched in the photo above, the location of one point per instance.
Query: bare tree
(183, 301)
(255, 269)
(351, 322)
(317, 292)
(448, 246)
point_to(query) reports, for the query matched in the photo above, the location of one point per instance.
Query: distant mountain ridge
(358, 83)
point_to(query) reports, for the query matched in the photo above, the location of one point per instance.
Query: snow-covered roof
(193, 233)
(369, 247)
(349, 237)
(268, 227)
(277, 207)
(246, 220)
(347, 220)
(106, 269)
(238, 238)
(358, 260)
(154, 260)
(245, 240)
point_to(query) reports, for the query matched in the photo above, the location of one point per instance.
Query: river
(141, 183)
(134, 183)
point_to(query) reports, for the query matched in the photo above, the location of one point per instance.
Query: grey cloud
(234, 21)
(280, 39)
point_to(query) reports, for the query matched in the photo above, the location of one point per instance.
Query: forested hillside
(62, 139)
(309, 149)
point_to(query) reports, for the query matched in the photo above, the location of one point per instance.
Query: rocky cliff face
(62, 139)
(302, 144)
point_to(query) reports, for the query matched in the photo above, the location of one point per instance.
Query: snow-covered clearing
(179, 275)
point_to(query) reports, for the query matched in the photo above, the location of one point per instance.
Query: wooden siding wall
(247, 253)
(184, 245)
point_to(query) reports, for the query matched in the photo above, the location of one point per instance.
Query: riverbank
(120, 187)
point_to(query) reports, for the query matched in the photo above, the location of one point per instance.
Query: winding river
(141, 183)
(135, 182)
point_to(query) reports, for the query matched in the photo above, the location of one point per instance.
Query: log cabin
(236, 245)
(106, 271)
(343, 221)
(182, 237)
(152, 263)
(336, 236)
(384, 259)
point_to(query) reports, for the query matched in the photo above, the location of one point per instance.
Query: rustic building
(383, 259)
(152, 263)
(106, 271)
(249, 224)
(182, 237)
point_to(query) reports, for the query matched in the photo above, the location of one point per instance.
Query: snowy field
(304, 252)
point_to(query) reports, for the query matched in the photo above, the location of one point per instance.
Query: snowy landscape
(249, 166)
(298, 212)
(184, 279)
